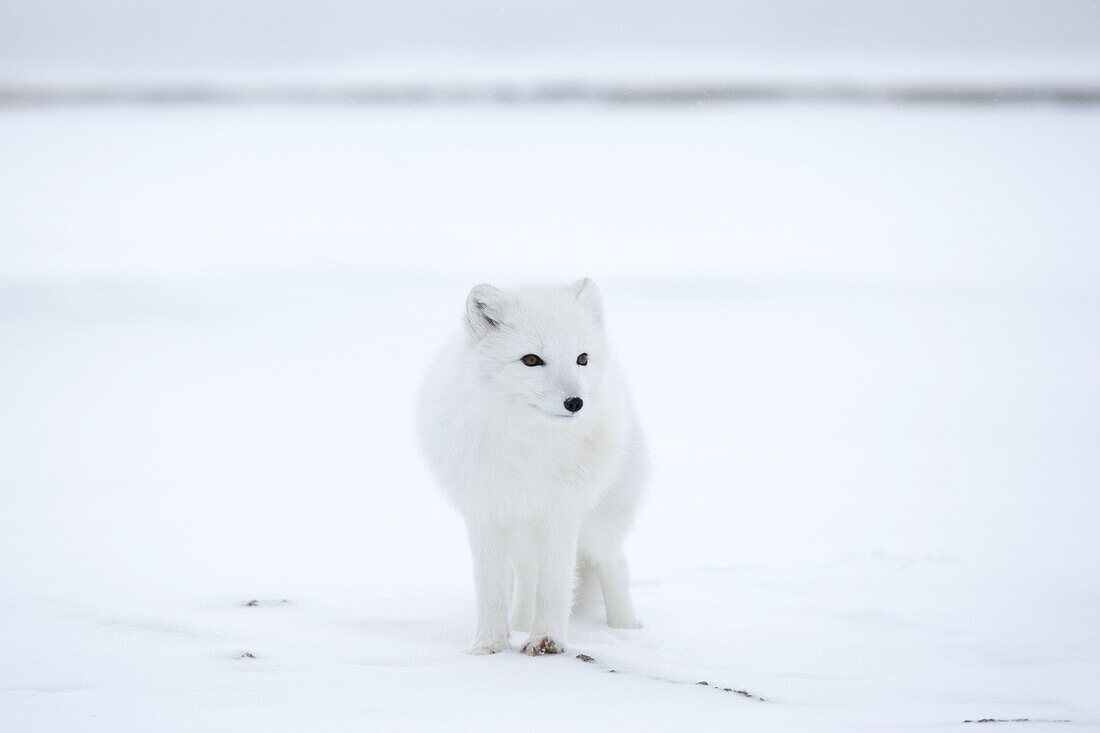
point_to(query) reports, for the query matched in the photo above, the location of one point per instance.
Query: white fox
(527, 424)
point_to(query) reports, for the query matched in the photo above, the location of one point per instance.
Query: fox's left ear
(589, 296)
(486, 308)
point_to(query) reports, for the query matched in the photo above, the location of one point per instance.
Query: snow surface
(864, 344)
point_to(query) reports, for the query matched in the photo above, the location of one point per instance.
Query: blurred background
(699, 137)
(849, 252)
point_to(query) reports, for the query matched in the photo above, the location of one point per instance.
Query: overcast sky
(194, 35)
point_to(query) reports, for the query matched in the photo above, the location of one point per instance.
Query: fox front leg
(557, 561)
(491, 583)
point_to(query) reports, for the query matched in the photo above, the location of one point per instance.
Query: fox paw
(536, 646)
(480, 646)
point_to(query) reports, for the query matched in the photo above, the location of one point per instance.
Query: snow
(863, 343)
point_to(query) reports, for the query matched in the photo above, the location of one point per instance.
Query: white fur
(544, 493)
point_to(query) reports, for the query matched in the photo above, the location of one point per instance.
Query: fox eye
(533, 360)
(582, 359)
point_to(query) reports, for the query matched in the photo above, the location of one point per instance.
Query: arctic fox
(527, 424)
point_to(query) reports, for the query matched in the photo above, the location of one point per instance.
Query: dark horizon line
(549, 93)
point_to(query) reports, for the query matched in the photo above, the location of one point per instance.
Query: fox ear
(486, 308)
(589, 296)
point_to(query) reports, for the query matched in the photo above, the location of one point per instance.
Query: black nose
(574, 403)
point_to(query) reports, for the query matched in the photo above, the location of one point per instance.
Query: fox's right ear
(486, 309)
(588, 294)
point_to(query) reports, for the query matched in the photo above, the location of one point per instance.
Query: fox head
(542, 348)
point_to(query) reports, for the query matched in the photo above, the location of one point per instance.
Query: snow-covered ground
(864, 344)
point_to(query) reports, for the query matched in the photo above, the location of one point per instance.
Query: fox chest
(526, 474)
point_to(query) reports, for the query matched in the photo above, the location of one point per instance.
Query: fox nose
(574, 403)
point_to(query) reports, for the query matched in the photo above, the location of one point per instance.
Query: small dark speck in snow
(704, 683)
(248, 655)
(585, 658)
(258, 602)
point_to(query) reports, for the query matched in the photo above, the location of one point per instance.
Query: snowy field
(864, 343)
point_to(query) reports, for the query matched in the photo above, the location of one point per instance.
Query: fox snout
(574, 404)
